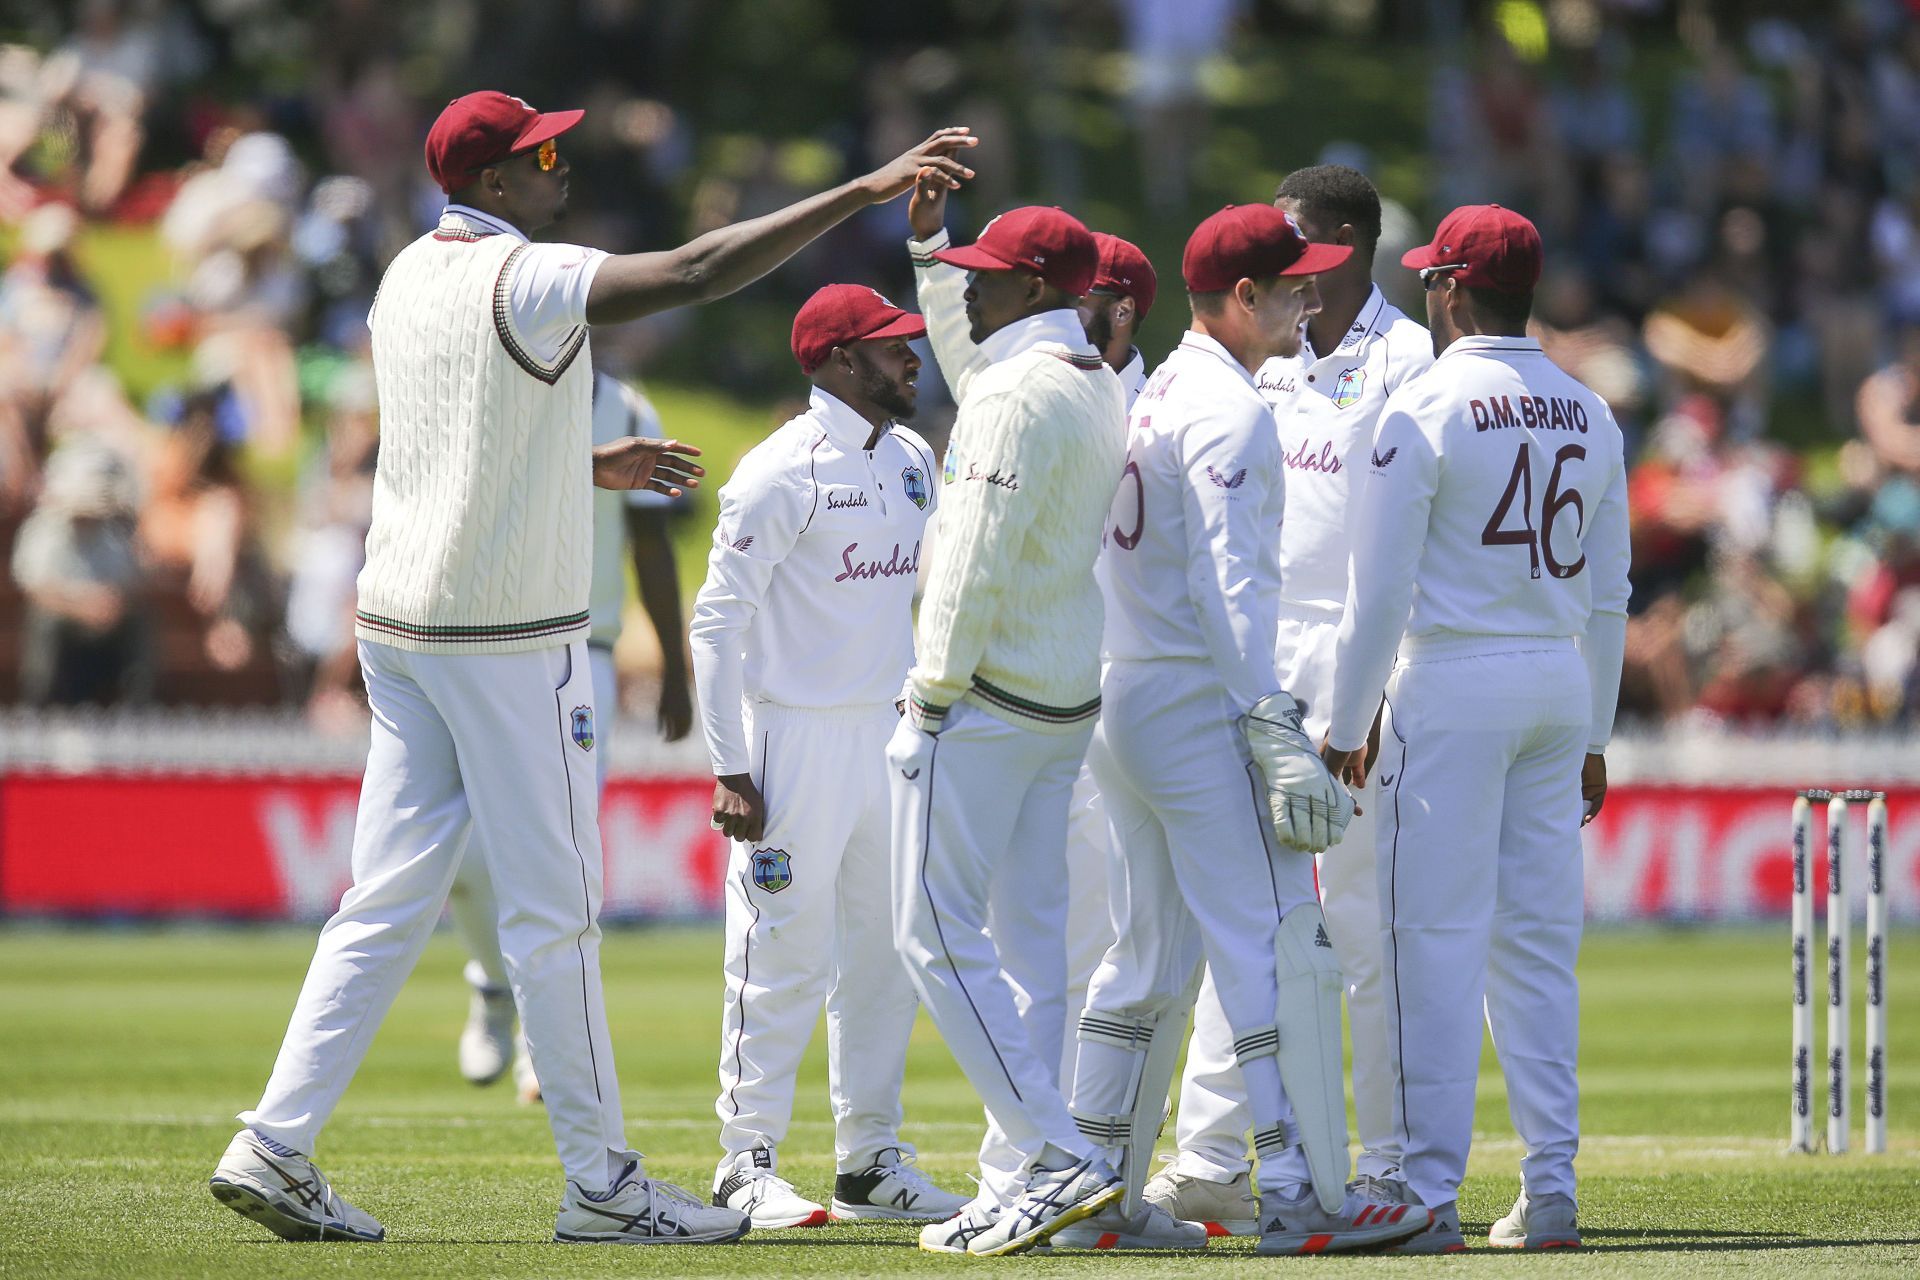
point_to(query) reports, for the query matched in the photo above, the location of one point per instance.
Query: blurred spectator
(1889, 408)
(51, 332)
(329, 546)
(85, 640)
(200, 526)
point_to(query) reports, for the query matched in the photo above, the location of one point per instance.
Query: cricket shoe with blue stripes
(963, 1228)
(891, 1188)
(748, 1182)
(280, 1189)
(1052, 1200)
(1303, 1227)
(643, 1210)
(1151, 1227)
(1546, 1222)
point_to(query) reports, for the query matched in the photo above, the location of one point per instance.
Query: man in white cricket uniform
(1003, 698)
(802, 636)
(1111, 312)
(1326, 406)
(1204, 770)
(472, 625)
(635, 521)
(1490, 550)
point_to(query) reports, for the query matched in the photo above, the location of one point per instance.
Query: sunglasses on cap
(1431, 276)
(546, 155)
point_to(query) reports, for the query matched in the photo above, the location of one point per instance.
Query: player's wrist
(922, 246)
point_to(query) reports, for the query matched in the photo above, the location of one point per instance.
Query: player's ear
(1122, 311)
(1346, 234)
(1246, 292)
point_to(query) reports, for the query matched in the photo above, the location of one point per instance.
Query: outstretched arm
(636, 284)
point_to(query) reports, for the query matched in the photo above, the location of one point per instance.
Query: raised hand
(936, 153)
(927, 210)
(665, 466)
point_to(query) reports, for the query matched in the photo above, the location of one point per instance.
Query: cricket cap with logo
(1253, 242)
(840, 314)
(1489, 247)
(485, 128)
(1051, 243)
(1124, 270)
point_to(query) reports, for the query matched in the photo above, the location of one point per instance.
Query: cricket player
(635, 521)
(1002, 701)
(1211, 793)
(802, 636)
(1356, 350)
(1490, 551)
(1111, 312)
(472, 625)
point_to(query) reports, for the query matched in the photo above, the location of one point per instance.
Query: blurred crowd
(1730, 194)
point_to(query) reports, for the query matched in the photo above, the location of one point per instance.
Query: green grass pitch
(124, 1054)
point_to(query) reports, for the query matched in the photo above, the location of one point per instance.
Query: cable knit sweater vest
(482, 503)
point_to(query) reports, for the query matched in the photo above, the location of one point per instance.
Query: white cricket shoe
(1152, 1227)
(1052, 1200)
(1546, 1223)
(643, 1210)
(486, 1043)
(1223, 1208)
(962, 1229)
(1303, 1227)
(1441, 1236)
(525, 1082)
(892, 1188)
(1382, 1189)
(749, 1184)
(281, 1190)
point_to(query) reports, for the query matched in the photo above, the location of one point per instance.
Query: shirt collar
(457, 216)
(1473, 342)
(843, 426)
(1060, 325)
(1357, 333)
(1201, 343)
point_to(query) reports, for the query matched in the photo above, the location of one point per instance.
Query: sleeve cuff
(922, 251)
(926, 717)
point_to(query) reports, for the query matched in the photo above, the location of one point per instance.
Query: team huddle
(1277, 678)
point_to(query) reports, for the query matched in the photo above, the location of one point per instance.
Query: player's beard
(1099, 327)
(897, 398)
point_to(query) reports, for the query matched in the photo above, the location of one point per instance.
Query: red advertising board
(279, 847)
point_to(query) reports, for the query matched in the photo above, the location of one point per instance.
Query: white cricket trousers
(810, 917)
(471, 903)
(979, 835)
(1198, 875)
(1089, 934)
(1213, 1121)
(1481, 886)
(463, 741)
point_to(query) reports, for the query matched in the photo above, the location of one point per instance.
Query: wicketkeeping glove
(1310, 809)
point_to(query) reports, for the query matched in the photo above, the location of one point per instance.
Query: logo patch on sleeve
(914, 481)
(772, 869)
(583, 728)
(1380, 460)
(952, 469)
(1233, 481)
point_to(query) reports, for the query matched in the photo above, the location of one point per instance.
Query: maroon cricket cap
(1051, 243)
(1252, 242)
(1125, 270)
(838, 314)
(1491, 247)
(485, 128)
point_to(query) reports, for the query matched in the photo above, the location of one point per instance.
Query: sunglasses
(546, 156)
(1432, 276)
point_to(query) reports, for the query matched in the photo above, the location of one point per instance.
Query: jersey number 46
(1539, 543)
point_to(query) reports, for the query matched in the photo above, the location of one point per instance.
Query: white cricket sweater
(1011, 617)
(481, 540)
